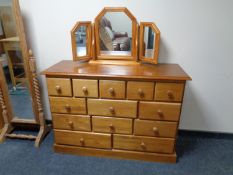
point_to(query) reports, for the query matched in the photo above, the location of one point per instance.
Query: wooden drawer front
(112, 125)
(118, 108)
(59, 86)
(159, 111)
(155, 128)
(85, 88)
(169, 92)
(72, 122)
(112, 89)
(84, 139)
(67, 105)
(139, 143)
(140, 90)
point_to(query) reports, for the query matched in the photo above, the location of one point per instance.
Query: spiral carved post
(44, 129)
(7, 126)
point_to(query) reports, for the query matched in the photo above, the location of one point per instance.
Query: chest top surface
(134, 71)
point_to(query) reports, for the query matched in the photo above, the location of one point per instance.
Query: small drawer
(118, 108)
(59, 86)
(172, 92)
(83, 139)
(71, 122)
(112, 125)
(112, 89)
(145, 144)
(85, 88)
(140, 90)
(68, 105)
(159, 111)
(155, 128)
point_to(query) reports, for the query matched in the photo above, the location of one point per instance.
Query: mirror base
(114, 62)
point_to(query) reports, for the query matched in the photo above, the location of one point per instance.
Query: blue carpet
(198, 155)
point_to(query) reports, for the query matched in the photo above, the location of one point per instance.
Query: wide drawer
(155, 128)
(84, 139)
(120, 108)
(59, 86)
(68, 105)
(112, 89)
(169, 92)
(85, 88)
(159, 111)
(112, 125)
(140, 90)
(71, 122)
(147, 144)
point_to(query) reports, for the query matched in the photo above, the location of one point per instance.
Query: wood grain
(84, 139)
(112, 125)
(117, 108)
(72, 122)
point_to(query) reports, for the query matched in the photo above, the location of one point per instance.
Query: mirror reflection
(12, 63)
(149, 42)
(115, 32)
(81, 41)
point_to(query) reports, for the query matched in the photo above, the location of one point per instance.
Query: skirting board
(120, 154)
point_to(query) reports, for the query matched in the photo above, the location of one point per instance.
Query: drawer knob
(111, 127)
(58, 89)
(160, 113)
(111, 91)
(112, 110)
(82, 141)
(155, 130)
(170, 94)
(143, 145)
(140, 92)
(68, 108)
(85, 91)
(71, 124)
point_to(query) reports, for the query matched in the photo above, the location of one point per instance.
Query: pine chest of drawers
(121, 111)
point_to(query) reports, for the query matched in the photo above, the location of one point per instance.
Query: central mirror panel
(115, 31)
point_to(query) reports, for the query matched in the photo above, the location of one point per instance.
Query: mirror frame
(156, 30)
(88, 25)
(134, 48)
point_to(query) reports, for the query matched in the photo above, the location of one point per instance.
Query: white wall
(196, 34)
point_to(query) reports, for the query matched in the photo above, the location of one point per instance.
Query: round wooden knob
(112, 110)
(58, 89)
(143, 145)
(111, 127)
(155, 130)
(170, 94)
(84, 90)
(111, 91)
(160, 113)
(71, 124)
(140, 92)
(82, 141)
(67, 107)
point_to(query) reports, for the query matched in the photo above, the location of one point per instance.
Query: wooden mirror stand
(11, 122)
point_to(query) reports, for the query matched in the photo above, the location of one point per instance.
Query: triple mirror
(116, 35)
(19, 88)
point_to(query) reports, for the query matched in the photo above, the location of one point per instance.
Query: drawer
(159, 111)
(155, 128)
(83, 139)
(146, 144)
(85, 88)
(112, 125)
(71, 122)
(59, 86)
(68, 105)
(140, 90)
(112, 89)
(169, 92)
(119, 108)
